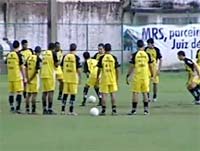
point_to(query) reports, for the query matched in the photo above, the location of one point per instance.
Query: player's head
(24, 44)
(72, 47)
(86, 55)
(51, 46)
(150, 43)
(57, 44)
(107, 47)
(37, 50)
(16, 44)
(181, 55)
(140, 44)
(101, 48)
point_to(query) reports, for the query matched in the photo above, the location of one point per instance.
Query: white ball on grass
(94, 111)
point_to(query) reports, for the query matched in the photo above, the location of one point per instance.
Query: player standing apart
(193, 76)
(26, 52)
(16, 77)
(72, 76)
(90, 69)
(59, 73)
(141, 64)
(49, 63)
(108, 68)
(32, 71)
(156, 57)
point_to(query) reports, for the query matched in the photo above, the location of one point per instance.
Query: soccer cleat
(62, 113)
(197, 102)
(18, 112)
(45, 112)
(114, 113)
(82, 104)
(146, 112)
(59, 97)
(51, 112)
(102, 114)
(133, 112)
(72, 113)
(12, 110)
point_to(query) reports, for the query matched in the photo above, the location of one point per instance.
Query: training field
(173, 125)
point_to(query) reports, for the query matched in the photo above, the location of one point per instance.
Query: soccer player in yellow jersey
(49, 64)
(156, 57)
(100, 51)
(141, 64)
(59, 73)
(26, 52)
(16, 76)
(198, 57)
(32, 71)
(90, 69)
(193, 82)
(108, 81)
(72, 77)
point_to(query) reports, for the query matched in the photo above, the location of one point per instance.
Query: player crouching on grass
(32, 70)
(90, 69)
(72, 77)
(108, 81)
(141, 64)
(193, 76)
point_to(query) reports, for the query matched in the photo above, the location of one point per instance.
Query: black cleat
(12, 110)
(51, 112)
(146, 112)
(45, 112)
(133, 112)
(102, 114)
(59, 97)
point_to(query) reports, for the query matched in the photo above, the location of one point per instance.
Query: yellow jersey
(14, 60)
(108, 64)
(49, 59)
(90, 66)
(33, 65)
(141, 61)
(70, 63)
(26, 53)
(198, 57)
(154, 54)
(98, 55)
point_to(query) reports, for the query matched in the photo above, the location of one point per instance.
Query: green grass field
(173, 125)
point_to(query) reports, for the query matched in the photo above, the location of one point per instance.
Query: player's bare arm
(79, 75)
(130, 71)
(22, 69)
(159, 66)
(151, 70)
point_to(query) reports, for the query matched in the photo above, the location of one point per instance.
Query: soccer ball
(94, 111)
(91, 99)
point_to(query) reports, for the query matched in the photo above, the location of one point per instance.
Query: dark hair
(150, 41)
(72, 47)
(181, 53)
(24, 42)
(37, 49)
(107, 47)
(51, 46)
(15, 44)
(86, 55)
(57, 43)
(140, 43)
(100, 45)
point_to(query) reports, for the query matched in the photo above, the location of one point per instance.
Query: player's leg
(19, 88)
(135, 98)
(33, 102)
(155, 90)
(27, 102)
(64, 102)
(146, 103)
(73, 89)
(113, 103)
(85, 93)
(60, 89)
(50, 102)
(96, 88)
(11, 97)
(103, 103)
(194, 89)
(44, 102)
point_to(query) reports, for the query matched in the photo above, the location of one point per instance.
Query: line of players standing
(26, 66)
